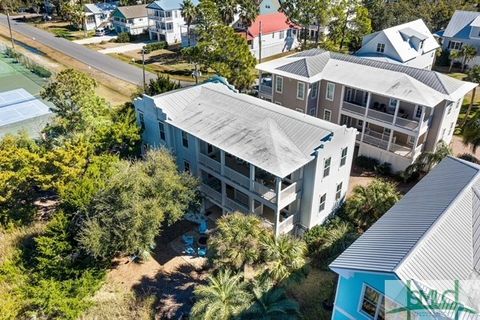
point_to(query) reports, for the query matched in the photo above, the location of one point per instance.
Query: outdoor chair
(203, 228)
(188, 239)
(189, 250)
(202, 252)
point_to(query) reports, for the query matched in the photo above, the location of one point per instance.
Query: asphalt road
(99, 61)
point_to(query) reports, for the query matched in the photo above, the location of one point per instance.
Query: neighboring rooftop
(400, 39)
(460, 24)
(278, 140)
(20, 110)
(270, 23)
(99, 8)
(130, 12)
(406, 83)
(428, 234)
(167, 5)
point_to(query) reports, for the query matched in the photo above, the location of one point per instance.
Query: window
(373, 303)
(381, 47)
(327, 115)
(411, 140)
(141, 118)
(185, 139)
(161, 128)
(450, 129)
(449, 108)
(323, 198)
(455, 45)
(186, 166)
(326, 167)
(300, 90)
(338, 194)
(443, 133)
(282, 34)
(343, 158)
(278, 84)
(330, 91)
(169, 26)
(314, 90)
(359, 123)
(392, 104)
(273, 35)
(418, 112)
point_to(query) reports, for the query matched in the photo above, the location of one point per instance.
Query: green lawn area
(64, 30)
(311, 292)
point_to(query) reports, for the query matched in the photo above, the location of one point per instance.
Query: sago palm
(285, 255)
(224, 297)
(271, 303)
(189, 14)
(471, 132)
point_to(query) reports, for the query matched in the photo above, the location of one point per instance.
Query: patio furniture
(202, 252)
(189, 250)
(188, 239)
(202, 229)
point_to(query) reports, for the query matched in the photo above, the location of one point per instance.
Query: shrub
(155, 46)
(366, 162)
(40, 71)
(123, 37)
(469, 157)
(384, 169)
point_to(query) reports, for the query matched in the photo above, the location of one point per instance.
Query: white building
(289, 168)
(410, 44)
(273, 31)
(166, 20)
(131, 19)
(97, 15)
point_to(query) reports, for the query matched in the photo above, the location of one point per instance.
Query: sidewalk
(124, 48)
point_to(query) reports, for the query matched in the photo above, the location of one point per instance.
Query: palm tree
(249, 11)
(284, 255)
(474, 76)
(189, 13)
(368, 203)
(270, 303)
(427, 160)
(453, 55)
(228, 9)
(224, 297)
(471, 132)
(468, 53)
(236, 242)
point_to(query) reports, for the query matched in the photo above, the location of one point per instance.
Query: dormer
(475, 28)
(414, 38)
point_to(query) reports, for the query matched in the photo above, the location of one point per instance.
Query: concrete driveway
(94, 40)
(124, 48)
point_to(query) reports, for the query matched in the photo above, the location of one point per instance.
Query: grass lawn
(311, 292)
(63, 29)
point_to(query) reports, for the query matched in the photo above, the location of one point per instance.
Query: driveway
(124, 48)
(94, 40)
(99, 61)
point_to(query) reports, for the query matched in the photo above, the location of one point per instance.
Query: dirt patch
(459, 148)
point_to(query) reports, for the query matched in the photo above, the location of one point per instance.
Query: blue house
(421, 260)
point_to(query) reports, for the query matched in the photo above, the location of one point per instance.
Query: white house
(166, 20)
(273, 32)
(131, 19)
(463, 29)
(97, 15)
(289, 168)
(410, 44)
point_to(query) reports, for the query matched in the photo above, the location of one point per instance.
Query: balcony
(210, 163)
(233, 205)
(287, 224)
(289, 194)
(354, 108)
(211, 193)
(380, 140)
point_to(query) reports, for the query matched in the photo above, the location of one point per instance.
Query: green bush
(384, 169)
(123, 37)
(40, 71)
(155, 46)
(366, 162)
(469, 157)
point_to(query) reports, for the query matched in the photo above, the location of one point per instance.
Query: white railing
(381, 141)
(404, 151)
(235, 206)
(381, 116)
(354, 108)
(210, 192)
(407, 124)
(209, 162)
(289, 194)
(375, 141)
(264, 192)
(287, 224)
(236, 177)
(417, 152)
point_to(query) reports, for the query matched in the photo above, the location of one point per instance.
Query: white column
(417, 138)
(364, 125)
(224, 195)
(368, 104)
(197, 155)
(278, 191)
(222, 162)
(390, 140)
(396, 111)
(422, 119)
(341, 102)
(252, 177)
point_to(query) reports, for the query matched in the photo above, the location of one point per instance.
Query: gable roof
(398, 38)
(427, 235)
(130, 12)
(167, 5)
(92, 8)
(270, 23)
(460, 24)
(277, 140)
(419, 86)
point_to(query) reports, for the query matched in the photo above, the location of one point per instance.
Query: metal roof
(427, 235)
(167, 5)
(410, 32)
(137, 11)
(460, 24)
(420, 86)
(18, 107)
(277, 140)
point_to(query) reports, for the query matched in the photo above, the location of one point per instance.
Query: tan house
(400, 111)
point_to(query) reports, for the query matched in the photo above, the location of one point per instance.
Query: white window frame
(381, 47)
(326, 169)
(381, 297)
(300, 93)
(185, 142)
(450, 130)
(330, 87)
(329, 112)
(314, 90)
(161, 129)
(323, 201)
(338, 192)
(418, 107)
(411, 140)
(185, 165)
(343, 156)
(277, 78)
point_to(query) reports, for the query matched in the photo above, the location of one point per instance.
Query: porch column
(252, 177)
(224, 195)
(222, 162)
(341, 102)
(364, 127)
(396, 111)
(278, 191)
(417, 137)
(197, 156)
(369, 97)
(422, 118)
(390, 140)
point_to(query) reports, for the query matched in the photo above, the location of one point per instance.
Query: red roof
(272, 22)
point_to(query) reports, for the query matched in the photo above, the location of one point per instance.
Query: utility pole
(10, 28)
(143, 68)
(260, 42)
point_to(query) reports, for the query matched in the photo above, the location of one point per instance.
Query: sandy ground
(458, 147)
(95, 39)
(124, 48)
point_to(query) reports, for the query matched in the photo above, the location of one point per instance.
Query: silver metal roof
(410, 32)
(460, 24)
(427, 234)
(18, 105)
(278, 140)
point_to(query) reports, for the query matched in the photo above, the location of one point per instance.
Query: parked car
(100, 32)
